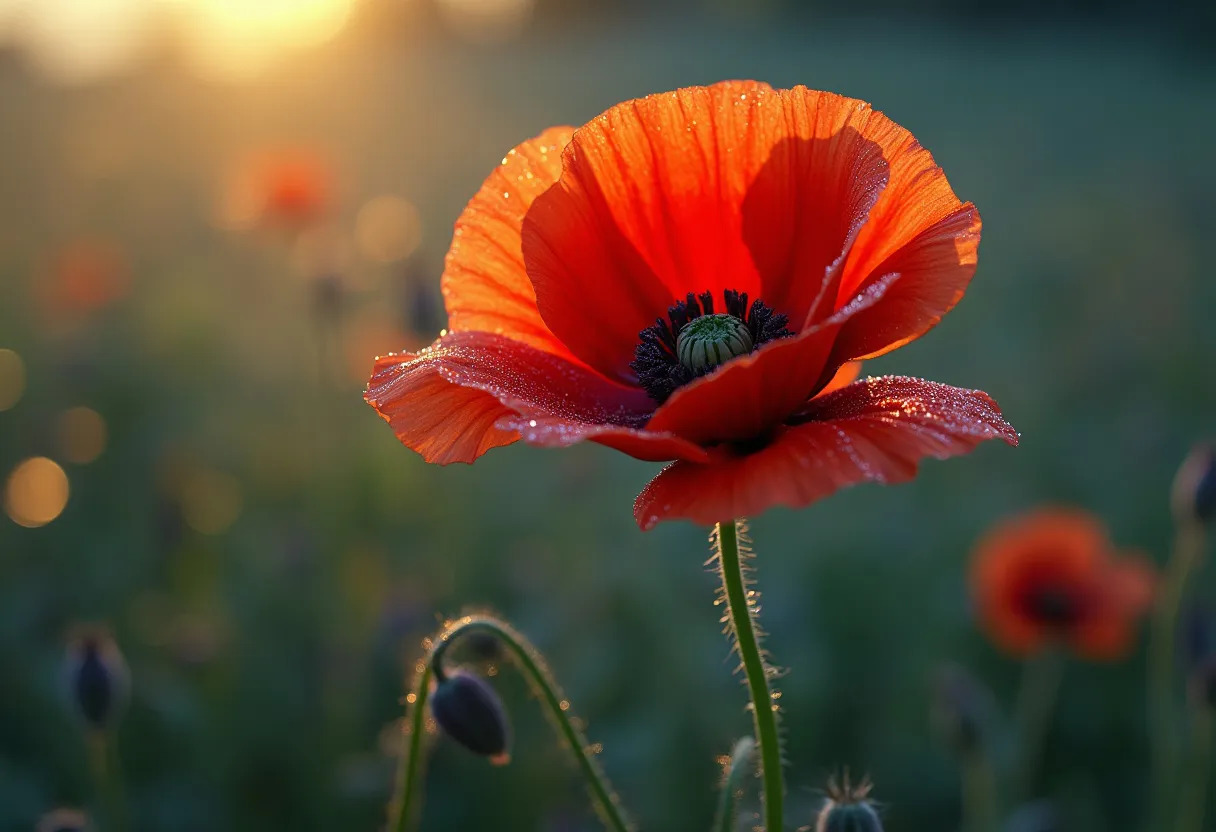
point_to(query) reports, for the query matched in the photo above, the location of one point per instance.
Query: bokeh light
(237, 39)
(388, 229)
(73, 41)
(82, 434)
(12, 378)
(211, 500)
(36, 493)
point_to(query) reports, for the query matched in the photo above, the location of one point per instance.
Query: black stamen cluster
(659, 370)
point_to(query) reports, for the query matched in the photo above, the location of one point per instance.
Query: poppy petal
(485, 285)
(874, 430)
(646, 445)
(918, 228)
(496, 378)
(733, 186)
(846, 375)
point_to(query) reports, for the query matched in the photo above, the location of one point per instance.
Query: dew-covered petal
(485, 285)
(732, 186)
(846, 375)
(874, 430)
(917, 228)
(641, 444)
(446, 401)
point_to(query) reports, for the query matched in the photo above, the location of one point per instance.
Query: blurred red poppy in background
(86, 275)
(294, 187)
(682, 279)
(1053, 576)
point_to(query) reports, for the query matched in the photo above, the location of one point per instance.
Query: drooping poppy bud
(470, 712)
(960, 708)
(1202, 684)
(1194, 493)
(97, 679)
(848, 808)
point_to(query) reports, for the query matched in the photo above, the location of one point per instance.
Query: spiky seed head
(848, 808)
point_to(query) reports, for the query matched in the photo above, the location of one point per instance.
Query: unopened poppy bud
(1040, 816)
(959, 709)
(97, 678)
(848, 809)
(1194, 492)
(470, 712)
(711, 339)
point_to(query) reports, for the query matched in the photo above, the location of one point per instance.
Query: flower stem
(1198, 774)
(728, 800)
(979, 793)
(107, 779)
(1163, 722)
(403, 806)
(1041, 678)
(741, 612)
(533, 665)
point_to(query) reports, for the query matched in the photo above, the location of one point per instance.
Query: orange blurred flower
(296, 188)
(690, 276)
(86, 275)
(1052, 575)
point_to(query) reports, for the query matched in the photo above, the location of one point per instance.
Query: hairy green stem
(530, 662)
(404, 807)
(1162, 692)
(741, 617)
(732, 784)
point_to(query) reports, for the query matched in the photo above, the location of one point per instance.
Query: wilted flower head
(848, 808)
(1052, 575)
(97, 678)
(691, 277)
(1194, 492)
(468, 710)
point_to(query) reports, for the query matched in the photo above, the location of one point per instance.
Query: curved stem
(1199, 773)
(403, 808)
(741, 621)
(979, 793)
(558, 708)
(1163, 724)
(1041, 678)
(732, 785)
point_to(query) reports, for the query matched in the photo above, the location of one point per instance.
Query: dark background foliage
(269, 557)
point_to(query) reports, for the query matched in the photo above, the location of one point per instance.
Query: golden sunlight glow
(239, 38)
(36, 493)
(82, 435)
(12, 379)
(79, 40)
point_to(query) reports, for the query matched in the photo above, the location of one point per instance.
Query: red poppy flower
(295, 187)
(681, 279)
(1052, 576)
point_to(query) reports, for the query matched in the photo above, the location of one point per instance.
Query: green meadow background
(269, 557)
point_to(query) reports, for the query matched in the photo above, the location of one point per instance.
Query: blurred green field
(270, 557)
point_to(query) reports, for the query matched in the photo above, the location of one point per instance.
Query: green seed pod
(711, 339)
(848, 809)
(468, 710)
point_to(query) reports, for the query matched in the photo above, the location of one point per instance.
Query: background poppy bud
(1194, 492)
(97, 678)
(959, 709)
(1040, 816)
(848, 809)
(470, 712)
